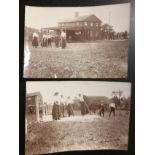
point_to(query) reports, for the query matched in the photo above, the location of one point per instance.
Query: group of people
(60, 104)
(112, 107)
(49, 39)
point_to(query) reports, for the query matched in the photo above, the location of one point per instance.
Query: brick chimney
(76, 14)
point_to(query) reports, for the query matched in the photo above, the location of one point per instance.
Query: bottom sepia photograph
(76, 115)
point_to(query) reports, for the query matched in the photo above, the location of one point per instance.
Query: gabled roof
(92, 18)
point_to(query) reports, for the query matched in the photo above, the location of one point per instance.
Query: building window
(77, 24)
(91, 24)
(96, 24)
(85, 23)
(29, 98)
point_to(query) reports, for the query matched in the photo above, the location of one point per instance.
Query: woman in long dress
(56, 107)
(35, 40)
(84, 106)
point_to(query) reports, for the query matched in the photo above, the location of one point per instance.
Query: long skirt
(70, 110)
(56, 111)
(35, 42)
(84, 108)
(63, 43)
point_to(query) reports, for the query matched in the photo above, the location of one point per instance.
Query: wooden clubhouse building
(79, 28)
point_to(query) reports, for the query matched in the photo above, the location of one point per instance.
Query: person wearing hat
(56, 107)
(84, 106)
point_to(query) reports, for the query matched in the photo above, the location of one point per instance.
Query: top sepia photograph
(76, 42)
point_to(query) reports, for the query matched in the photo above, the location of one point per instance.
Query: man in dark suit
(102, 110)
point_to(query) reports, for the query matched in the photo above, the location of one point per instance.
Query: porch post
(37, 108)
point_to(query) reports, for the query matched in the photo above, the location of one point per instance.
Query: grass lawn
(99, 59)
(89, 132)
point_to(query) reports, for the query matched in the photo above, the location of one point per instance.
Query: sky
(73, 88)
(117, 15)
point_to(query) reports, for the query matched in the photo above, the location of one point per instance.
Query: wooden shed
(34, 104)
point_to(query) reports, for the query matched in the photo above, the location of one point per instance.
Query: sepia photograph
(76, 115)
(77, 42)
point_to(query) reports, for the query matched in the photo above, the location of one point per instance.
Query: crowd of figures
(60, 105)
(49, 40)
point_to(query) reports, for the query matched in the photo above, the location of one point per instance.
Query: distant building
(79, 28)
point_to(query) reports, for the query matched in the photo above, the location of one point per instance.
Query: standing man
(63, 39)
(49, 39)
(56, 107)
(102, 110)
(112, 107)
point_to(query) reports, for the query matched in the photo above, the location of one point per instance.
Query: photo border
(130, 77)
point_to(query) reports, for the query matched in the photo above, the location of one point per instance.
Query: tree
(107, 31)
(125, 35)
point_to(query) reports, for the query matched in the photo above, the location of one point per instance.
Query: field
(98, 59)
(89, 132)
